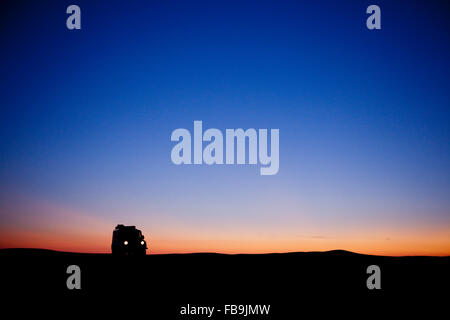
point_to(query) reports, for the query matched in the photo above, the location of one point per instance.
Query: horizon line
(231, 254)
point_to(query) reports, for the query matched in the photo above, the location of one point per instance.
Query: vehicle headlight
(125, 242)
(142, 242)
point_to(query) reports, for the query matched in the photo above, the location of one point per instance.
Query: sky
(86, 118)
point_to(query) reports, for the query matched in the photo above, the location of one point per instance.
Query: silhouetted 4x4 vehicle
(127, 240)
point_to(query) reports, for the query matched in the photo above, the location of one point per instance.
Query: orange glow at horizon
(433, 244)
(45, 225)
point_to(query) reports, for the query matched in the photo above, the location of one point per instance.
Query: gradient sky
(86, 118)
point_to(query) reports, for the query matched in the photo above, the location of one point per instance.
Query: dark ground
(292, 283)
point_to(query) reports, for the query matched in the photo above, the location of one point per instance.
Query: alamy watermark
(74, 279)
(73, 22)
(235, 140)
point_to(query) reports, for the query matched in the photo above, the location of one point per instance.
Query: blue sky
(86, 115)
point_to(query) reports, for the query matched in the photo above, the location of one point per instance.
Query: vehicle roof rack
(121, 226)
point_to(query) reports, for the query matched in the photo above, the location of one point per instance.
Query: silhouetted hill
(38, 251)
(168, 281)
